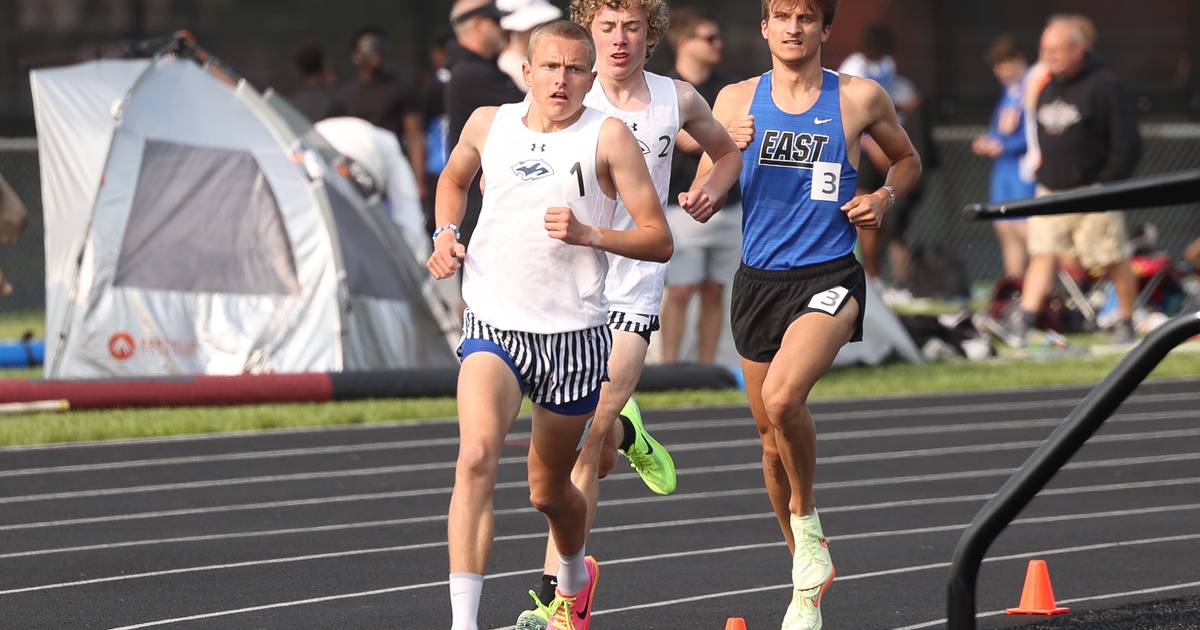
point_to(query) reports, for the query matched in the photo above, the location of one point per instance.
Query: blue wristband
(448, 226)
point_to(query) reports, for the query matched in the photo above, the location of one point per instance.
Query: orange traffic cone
(735, 623)
(1037, 598)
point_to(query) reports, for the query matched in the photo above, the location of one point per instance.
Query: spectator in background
(1036, 79)
(1192, 255)
(1005, 144)
(913, 112)
(315, 98)
(522, 16)
(432, 97)
(873, 61)
(475, 81)
(14, 218)
(706, 254)
(380, 98)
(1087, 131)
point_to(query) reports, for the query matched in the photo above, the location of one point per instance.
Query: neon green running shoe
(651, 461)
(537, 618)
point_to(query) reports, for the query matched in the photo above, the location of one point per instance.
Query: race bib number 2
(826, 177)
(829, 301)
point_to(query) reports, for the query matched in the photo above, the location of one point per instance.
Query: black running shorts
(766, 302)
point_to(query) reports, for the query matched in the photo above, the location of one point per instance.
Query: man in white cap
(521, 17)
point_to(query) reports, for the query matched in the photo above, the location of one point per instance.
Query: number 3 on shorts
(826, 178)
(829, 301)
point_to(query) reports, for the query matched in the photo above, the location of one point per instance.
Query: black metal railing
(1042, 465)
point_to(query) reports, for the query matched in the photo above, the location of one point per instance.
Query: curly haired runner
(654, 109)
(799, 294)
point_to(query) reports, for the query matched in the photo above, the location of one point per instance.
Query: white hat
(526, 15)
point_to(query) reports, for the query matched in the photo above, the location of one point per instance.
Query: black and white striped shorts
(637, 323)
(553, 369)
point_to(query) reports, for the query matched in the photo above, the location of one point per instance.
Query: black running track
(345, 528)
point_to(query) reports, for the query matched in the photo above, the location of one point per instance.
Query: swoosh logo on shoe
(582, 614)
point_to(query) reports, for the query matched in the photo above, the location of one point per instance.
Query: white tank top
(636, 286)
(516, 277)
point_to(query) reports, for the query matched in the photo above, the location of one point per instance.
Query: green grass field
(13, 325)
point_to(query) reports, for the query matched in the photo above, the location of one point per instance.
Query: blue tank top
(795, 178)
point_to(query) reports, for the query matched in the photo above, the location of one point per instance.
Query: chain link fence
(962, 178)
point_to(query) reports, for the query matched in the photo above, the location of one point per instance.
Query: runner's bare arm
(878, 117)
(622, 172)
(451, 201)
(706, 196)
(732, 106)
(741, 131)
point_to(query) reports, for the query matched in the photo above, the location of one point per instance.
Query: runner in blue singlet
(799, 294)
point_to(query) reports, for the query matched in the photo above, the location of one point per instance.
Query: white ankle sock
(572, 572)
(465, 589)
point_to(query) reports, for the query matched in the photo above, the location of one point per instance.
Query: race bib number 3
(829, 301)
(826, 177)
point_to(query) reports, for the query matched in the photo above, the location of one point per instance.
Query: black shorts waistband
(799, 273)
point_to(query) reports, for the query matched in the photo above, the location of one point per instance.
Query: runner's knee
(476, 462)
(784, 407)
(546, 494)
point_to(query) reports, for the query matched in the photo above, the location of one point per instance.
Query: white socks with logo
(465, 589)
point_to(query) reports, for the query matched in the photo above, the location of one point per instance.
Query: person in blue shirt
(799, 294)
(1006, 144)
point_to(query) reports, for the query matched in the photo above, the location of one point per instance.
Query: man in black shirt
(475, 80)
(382, 99)
(315, 99)
(1087, 131)
(706, 254)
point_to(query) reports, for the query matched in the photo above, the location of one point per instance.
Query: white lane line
(422, 422)
(232, 435)
(240, 456)
(1073, 600)
(689, 472)
(435, 518)
(697, 446)
(658, 427)
(510, 485)
(316, 600)
(604, 530)
(822, 418)
(909, 569)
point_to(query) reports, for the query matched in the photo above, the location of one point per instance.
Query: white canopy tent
(193, 228)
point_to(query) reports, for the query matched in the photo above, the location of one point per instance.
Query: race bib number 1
(826, 177)
(829, 301)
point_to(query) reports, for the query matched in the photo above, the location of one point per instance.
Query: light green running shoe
(537, 618)
(812, 573)
(647, 456)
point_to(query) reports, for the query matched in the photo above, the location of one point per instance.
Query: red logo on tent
(121, 346)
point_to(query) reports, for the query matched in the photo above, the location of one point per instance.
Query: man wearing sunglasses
(706, 254)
